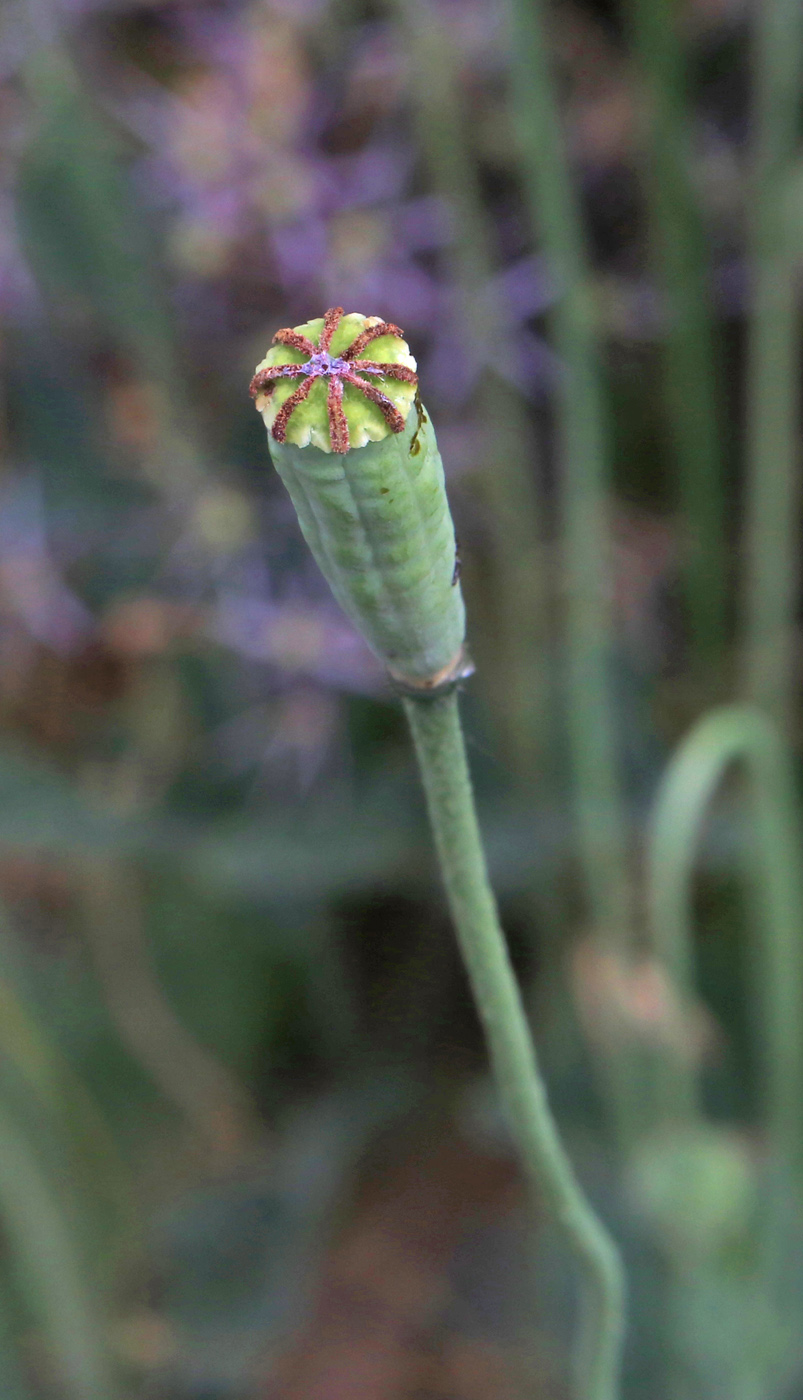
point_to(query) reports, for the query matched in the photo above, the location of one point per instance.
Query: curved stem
(723, 737)
(435, 725)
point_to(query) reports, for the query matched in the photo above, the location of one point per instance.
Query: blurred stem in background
(583, 484)
(13, 1382)
(66, 1205)
(88, 247)
(188, 1075)
(691, 379)
(519, 678)
(438, 738)
(210, 1100)
(727, 736)
(71, 1123)
(47, 1260)
(773, 411)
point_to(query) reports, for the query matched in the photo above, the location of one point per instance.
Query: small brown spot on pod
(456, 574)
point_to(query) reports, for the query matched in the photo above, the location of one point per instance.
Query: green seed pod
(359, 458)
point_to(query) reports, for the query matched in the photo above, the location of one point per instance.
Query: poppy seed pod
(355, 448)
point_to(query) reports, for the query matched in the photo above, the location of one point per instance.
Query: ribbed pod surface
(378, 523)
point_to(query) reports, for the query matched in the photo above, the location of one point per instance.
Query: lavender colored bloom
(32, 586)
(298, 638)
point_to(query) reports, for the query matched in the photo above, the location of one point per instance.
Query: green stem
(691, 387)
(583, 478)
(772, 522)
(738, 734)
(438, 737)
(515, 646)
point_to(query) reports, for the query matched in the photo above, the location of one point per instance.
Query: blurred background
(248, 1146)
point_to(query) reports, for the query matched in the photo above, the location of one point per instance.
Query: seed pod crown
(318, 387)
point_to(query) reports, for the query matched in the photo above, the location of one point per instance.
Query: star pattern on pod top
(312, 389)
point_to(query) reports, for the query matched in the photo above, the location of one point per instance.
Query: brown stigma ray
(337, 370)
(371, 333)
(295, 340)
(338, 423)
(283, 416)
(389, 409)
(391, 371)
(265, 381)
(331, 321)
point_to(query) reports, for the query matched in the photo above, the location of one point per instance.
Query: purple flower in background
(31, 586)
(19, 295)
(299, 638)
(256, 163)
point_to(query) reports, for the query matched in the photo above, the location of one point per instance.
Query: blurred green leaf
(53, 401)
(47, 1260)
(240, 1257)
(55, 1105)
(13, 1385)
(80, 229)
(40, 808)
